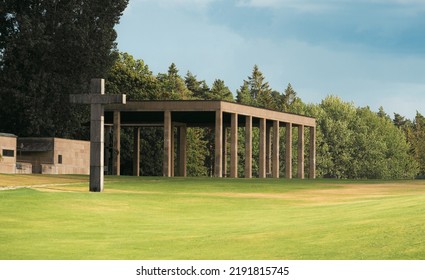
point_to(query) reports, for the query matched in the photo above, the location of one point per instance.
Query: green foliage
(417, 141)
(50, 49)
(220, 91)
(243, 95)
(172, 86)
(357, 143)
(255, 91)
(151, 147)
(197, 152)
(133, 78)
(199, 89)
(351, 142)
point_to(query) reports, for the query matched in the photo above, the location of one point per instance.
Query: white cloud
(320, 5)
(194, 4)
(305, 6)
(213, 51)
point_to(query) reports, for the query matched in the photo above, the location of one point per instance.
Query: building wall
(75, 156)
(7, 162)
(23, 168)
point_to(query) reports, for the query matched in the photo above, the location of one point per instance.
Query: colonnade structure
(218, 115)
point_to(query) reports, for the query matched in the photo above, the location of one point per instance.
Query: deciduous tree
(50, 49)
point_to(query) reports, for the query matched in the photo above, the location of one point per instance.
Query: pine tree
(172, 86)
(289, 98)
(259, 89)
(199, 89)
(220, 91)
(243, 95)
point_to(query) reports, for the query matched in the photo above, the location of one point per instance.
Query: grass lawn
(204, 218)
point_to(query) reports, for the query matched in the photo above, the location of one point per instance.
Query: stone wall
(56, 155)
(23, 168)
(8, 153)
(74, 154)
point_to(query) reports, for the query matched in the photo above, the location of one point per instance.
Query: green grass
(202, 218)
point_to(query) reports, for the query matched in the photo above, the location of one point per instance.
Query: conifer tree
(220, 91)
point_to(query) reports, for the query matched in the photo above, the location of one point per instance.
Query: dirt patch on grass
(15, 180)
(351, 192)
(335, 194)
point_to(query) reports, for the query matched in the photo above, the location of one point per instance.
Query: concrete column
(248, 147)
(289, 150)
(224, 151)
(97, 99)
(167, 144)
(136, 152)
(117, 144)
(218, 170)
(234, 146)
(268, 149)
(96, 147)
(173, 150)
(300, 169)
(97, 86)
(275, 154)
(182, 151)
(262, 164)
(312, 153)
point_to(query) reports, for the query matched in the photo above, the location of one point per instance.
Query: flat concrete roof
(196, 113)
(8, 135)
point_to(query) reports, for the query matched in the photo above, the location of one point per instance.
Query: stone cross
(97, 99)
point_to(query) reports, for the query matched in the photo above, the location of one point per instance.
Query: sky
(369, 52)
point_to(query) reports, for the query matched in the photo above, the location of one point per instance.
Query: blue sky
(370, 52)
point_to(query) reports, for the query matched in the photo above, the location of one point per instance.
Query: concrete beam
(212, 106)
(97, 99)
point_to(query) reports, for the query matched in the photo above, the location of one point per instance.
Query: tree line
(50, 49)
(352, 142)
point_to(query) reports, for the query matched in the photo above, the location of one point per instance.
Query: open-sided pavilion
(218, 115)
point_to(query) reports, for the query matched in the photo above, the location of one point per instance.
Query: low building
(7, 153)
(55, 155)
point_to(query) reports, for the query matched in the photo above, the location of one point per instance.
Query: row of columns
(268, 157)
(269, 148)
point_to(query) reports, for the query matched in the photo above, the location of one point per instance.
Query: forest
(51, 49)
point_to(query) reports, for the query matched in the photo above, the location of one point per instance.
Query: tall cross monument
(97, 99)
